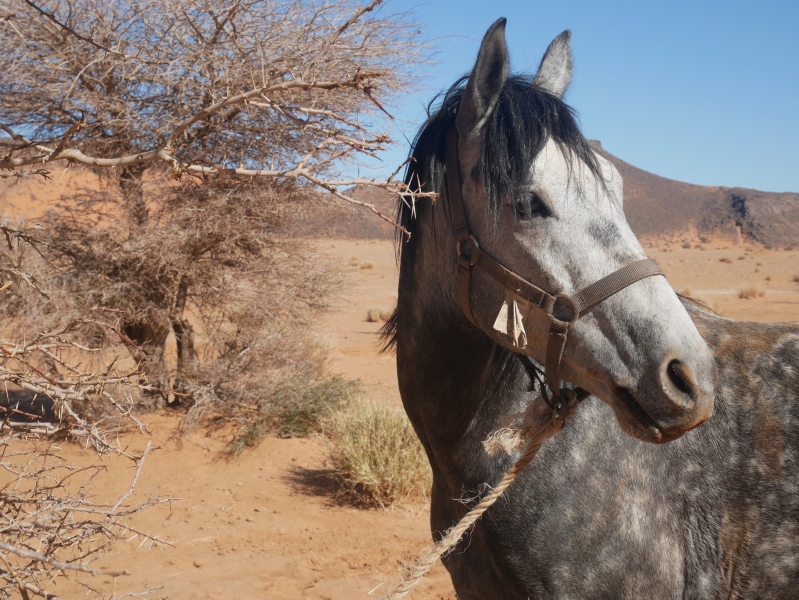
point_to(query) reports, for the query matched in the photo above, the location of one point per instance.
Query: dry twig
(49, 524)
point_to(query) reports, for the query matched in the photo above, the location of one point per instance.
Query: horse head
(549, 209)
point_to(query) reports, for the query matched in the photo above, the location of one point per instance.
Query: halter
(567, 308)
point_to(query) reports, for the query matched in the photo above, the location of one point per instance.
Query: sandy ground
(371, 283)
(265, 525)
(717, 275)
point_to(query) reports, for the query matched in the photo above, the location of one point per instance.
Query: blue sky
(705, 92)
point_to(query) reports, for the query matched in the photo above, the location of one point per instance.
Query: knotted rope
(521, 431)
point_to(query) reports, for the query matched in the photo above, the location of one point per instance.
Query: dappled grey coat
(714, 514)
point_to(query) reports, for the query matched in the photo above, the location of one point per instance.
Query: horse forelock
(524, 118)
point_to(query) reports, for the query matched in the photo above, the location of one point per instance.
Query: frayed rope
(519, 432)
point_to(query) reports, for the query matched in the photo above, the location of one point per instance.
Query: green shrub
(376, 457)
(297, 406)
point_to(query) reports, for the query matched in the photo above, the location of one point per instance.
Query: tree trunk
(151, 337)
(184, 338)
(130, 182)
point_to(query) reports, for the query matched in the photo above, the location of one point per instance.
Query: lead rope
(522, 431)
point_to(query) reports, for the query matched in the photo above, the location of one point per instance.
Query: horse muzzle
(678, 398)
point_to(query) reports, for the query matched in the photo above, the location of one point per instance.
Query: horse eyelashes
(530, 206)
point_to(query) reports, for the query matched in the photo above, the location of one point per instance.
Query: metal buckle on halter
(560, 300)
(466, 259)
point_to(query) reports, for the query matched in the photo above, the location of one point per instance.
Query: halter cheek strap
(562, 310)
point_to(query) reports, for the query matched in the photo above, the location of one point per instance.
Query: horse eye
(530, 206)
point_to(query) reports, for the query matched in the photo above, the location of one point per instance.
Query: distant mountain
(656, 206)
(657, 209)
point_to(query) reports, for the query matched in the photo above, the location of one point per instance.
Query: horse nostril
(680, 377)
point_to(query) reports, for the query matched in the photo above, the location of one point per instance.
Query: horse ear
(488, 76)
(555, 72)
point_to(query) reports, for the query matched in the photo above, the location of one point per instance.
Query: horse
(599, 513)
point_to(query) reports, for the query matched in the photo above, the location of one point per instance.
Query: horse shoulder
(757, 424)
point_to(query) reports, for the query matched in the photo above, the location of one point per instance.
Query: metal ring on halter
(471, 239)
(568, 300)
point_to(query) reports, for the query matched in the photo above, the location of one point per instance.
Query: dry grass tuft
(375, 315)
(751, 292)
(725, 260)
(796, 278)
(367, 264)
(376, 457)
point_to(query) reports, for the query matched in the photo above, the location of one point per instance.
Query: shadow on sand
(313, 482)
(26, 407)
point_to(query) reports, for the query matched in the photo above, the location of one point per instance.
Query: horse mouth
(636, 422)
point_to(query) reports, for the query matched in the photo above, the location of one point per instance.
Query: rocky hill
(336, 219)
(656, 207)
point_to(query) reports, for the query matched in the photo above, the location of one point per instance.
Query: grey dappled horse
(598, 514)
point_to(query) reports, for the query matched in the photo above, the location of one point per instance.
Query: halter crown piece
(567, 308)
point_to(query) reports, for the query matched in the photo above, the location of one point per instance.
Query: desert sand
(266, 525)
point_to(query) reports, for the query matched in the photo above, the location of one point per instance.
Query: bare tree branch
(71, 31)
(62, 566)
(202, 112)
(323, 50)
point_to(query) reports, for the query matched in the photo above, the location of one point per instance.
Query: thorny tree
(283, 91)
(210, 250)
(203, 91)
(50, 521)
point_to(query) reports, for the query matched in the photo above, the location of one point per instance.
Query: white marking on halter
(510, 319)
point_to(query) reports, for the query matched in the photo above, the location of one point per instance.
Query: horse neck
(455, 382)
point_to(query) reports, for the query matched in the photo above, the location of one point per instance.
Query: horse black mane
(524, 117)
